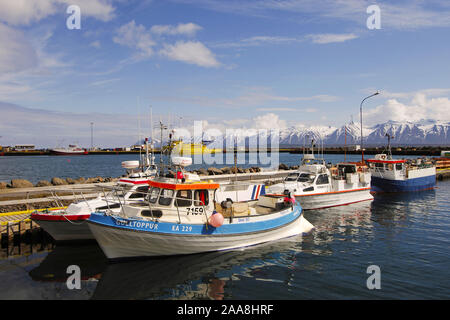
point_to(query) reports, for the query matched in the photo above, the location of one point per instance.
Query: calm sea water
(35, 168)
(406, 235)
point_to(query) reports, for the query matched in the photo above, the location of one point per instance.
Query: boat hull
(162, 239)
(416, 184)
(67, 153)
(333, 199)
(64, 228)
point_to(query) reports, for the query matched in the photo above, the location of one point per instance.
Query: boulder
(70, 181)
(80, 180)
(43, 183)
(58, 181)
(226, 170)
(256, 169)
(282, 166)
(91, 180)
(21, 183)
(214, 171)
(3, 185)
(293, 167)
(202, 172)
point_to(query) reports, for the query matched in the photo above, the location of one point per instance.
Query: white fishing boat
(185, 218)
(70, 151)
(316, 185)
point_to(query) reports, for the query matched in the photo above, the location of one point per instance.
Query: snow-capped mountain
(425, 132)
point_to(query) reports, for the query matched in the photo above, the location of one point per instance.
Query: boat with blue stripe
(400, 175)
(186, 217)
(389, 175)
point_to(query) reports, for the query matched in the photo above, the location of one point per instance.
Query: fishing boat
(181, 216)
(181, 148)
(71, 150)
(69, 224)
(400, 175)
(316, 185)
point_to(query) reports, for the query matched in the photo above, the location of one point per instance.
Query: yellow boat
(185, 149)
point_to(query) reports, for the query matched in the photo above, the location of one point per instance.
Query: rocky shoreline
(56, 181)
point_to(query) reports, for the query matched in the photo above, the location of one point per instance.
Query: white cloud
(268, 121)
(16, 52)
(258, 41)
(192, 52)
(260, 97)
(140, 38)
(103, 82)
(188, 29)
(95, 44)
(418, 108)
(25, 12)
(137, 37)
(276, 109)
(331, 37)
(401, 15)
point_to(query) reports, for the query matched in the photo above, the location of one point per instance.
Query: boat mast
(161, 167)
(151, 135)
(389, 151)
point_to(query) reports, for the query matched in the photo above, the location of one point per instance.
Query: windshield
(166, 196)
(306, 177)
(154, 193)
(291, 177)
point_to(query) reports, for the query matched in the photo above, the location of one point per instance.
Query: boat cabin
(383, 167)
(192, 201)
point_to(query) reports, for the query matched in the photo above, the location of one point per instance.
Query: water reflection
(345, 223)
(198, 276)
(405, 234)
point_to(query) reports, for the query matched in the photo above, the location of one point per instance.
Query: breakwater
(412, 151)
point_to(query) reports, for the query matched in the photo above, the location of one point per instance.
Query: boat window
(399, 166)
(154, 193)
(379, 165)
(165, 199)
(201, 198)
(184, 198)
(322, 179)
(139, 193)
(291, 177)
(306, 177)
(347, 169)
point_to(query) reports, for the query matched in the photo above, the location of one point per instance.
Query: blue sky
(231, 63)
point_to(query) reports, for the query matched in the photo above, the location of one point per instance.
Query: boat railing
(151, 206)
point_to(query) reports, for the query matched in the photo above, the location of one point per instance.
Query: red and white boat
(70, 223)
(316, 186)
(71, 150)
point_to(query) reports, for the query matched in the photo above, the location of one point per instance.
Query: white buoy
(182, 161)
(132, 164)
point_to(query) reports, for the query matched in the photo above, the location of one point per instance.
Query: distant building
(445, 154)
(355, 147)
(24, 147)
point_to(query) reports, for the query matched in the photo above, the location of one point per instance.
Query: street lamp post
(360, 113)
